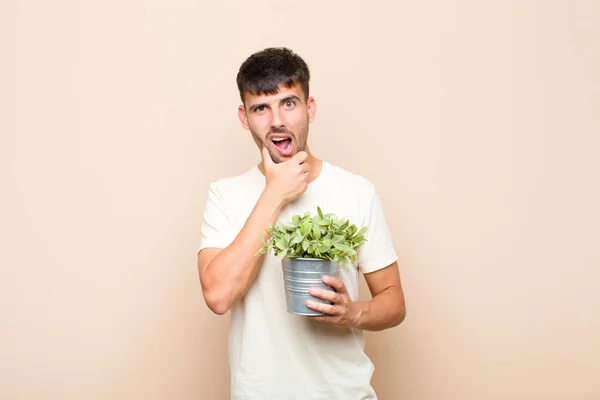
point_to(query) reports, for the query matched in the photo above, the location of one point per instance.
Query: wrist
(273, 199)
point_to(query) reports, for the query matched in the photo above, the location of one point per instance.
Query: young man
(275, 355)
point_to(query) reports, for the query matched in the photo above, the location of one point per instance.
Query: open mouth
(283, 144)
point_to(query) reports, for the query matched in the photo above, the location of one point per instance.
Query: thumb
(266, 157)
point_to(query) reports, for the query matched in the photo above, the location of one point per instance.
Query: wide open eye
(290, 104)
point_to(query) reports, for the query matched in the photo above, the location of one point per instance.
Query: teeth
(279, 139)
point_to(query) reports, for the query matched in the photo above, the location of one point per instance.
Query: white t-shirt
(275, 355)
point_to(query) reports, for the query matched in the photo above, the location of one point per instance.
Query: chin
(279, 159)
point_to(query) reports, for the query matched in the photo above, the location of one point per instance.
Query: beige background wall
(479, 122)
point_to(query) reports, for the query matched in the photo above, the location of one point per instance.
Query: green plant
(315, 236)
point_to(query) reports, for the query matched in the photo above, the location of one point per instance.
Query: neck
(316, 166)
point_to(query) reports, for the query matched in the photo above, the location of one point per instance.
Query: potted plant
(311, 246)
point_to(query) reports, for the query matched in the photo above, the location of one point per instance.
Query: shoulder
(354, 190)
(235, 183)
(349, 179)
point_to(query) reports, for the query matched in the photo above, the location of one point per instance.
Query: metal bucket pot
(299, 275)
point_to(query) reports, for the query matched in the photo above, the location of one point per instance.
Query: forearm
(383, 311)
(232, 271)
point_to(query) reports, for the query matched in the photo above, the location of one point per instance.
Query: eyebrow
(291, 97)
(284, 100)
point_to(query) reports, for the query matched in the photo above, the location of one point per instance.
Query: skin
(285, 112)
(227, 274)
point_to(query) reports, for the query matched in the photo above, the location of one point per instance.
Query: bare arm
(386, 308)
(227, 274)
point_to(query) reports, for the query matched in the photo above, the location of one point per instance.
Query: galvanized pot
(299, 275)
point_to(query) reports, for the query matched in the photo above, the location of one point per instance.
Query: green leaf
(305, 245)
(341, 246)
(305, 228)
(316, 232)
(291, 227)
(358, 239)
(280, 243)
(323, 248)
(279, 226)
(322, 235)
(352, 230)
(296, 238)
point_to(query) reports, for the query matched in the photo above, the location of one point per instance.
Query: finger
(335, 283)
(266, 156)
(325, 295)
(328, 309)
(300, 157)
(305, 168)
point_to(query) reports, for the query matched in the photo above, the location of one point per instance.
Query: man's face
(279, 121)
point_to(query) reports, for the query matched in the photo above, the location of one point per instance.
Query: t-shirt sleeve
(378, 251)
(216, 230)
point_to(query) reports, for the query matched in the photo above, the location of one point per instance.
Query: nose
(276, 120)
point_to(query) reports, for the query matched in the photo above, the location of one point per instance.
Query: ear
(311, 105)
(243, 117)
